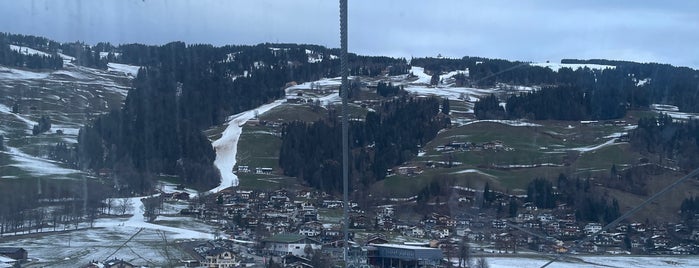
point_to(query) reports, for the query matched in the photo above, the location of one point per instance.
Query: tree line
(14, 58)
(553, 103)
(669, 139)
(385, 138)
(629, 84)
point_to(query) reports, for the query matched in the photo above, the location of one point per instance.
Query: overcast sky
(645, 31)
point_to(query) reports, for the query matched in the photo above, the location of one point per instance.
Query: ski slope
(227, 146)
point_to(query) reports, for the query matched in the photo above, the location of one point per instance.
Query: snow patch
(514, 123)
(138, 221)
(35, 165)
(557, 66)
(130, 70)
(472, 171)
(15, 74)
(29, 51)
(422, 77)
(593, 147)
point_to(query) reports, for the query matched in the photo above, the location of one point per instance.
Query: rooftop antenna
(345, 137)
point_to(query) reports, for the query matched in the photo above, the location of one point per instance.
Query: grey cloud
(537, 30)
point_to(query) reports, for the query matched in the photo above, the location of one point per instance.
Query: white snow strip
(123, 68)
(422, 77)
(325, 82)
(36, 165)
(514, 123)
(227, 146)
(15, 74)
(591, 148)
(597, 261)
(66, 58)
(472, 171)
(679, 115)
(72, 74)
(452, 93)
(330, 99)
(29, 51)
(527, 166)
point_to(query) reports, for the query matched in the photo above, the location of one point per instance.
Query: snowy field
(598, 261)
(152, 243)
(72, 249)
(673, 111)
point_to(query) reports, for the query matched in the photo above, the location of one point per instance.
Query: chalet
(522, 217)
(180, 196)
(332, 204)
(311, 229)
(499, 224)
(681, 250)
(660, 241)
(254, 122)
(377, 240)
(462, 231)
(243, 169)
(493, 145)
(412, 170)
(441, 232)
(244, 195)
(285, 244)
(292, 261)
(220, 257)
(303, 194)
(116, 263)
(14, 253)
(416, 232)
(589, 123)
(263, 170)
(592, 228)
(333, 233)
(638, 227)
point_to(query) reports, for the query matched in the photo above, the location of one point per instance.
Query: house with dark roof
(14, 253)
(395, 255)
(117, 263)
(220, 257)
(285, 244)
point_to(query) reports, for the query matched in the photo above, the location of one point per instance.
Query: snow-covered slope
(227, 146)
(70, 96)
(556, 66)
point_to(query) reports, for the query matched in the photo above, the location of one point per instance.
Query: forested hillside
(183, 89)
(669, 139)
(385, 138)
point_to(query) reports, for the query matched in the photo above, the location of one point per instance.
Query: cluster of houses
(282, 222)
(455, 146)
(561, 230)
(284, 226)
(257, 170)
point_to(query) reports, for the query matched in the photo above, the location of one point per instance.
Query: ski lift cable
(627, 214)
